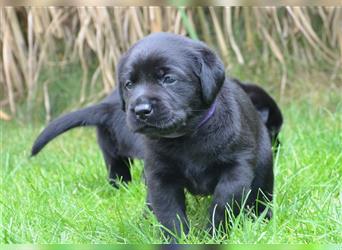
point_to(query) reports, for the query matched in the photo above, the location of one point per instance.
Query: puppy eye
(169, 80)
(128, 85)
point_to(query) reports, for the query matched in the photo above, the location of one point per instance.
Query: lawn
(62, 195)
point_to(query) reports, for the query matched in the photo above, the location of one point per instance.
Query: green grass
(62, 195)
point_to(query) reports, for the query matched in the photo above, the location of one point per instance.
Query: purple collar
(208, 115)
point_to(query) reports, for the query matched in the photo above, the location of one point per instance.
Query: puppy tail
(91, 116)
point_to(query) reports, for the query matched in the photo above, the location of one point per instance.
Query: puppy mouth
(160, 128)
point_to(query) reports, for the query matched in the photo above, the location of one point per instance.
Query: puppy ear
(119, 86)
(211, 74)
(123, 103)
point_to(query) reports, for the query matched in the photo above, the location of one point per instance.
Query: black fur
(90, 116)
(229, 156)
(267, 108)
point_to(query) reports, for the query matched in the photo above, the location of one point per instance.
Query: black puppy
(118, 144)
(267, 109)
(194, 128)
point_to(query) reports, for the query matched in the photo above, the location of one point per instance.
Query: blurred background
(56, 59)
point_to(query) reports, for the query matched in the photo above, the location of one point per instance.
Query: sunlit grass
(62, 196)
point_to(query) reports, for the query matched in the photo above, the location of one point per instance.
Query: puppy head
(166, 83)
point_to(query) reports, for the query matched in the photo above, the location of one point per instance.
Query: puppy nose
(143, 110)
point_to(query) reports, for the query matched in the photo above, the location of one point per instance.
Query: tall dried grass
(33, 37)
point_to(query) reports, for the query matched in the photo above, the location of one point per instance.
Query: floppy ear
(123, 103)
(118, 72)
(211, 74)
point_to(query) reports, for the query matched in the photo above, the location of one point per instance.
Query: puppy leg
(118, 169)
(167, 201)
(230, 192)
(262, 189)
(117, 166)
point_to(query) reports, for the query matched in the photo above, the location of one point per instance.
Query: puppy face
(166, 82)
